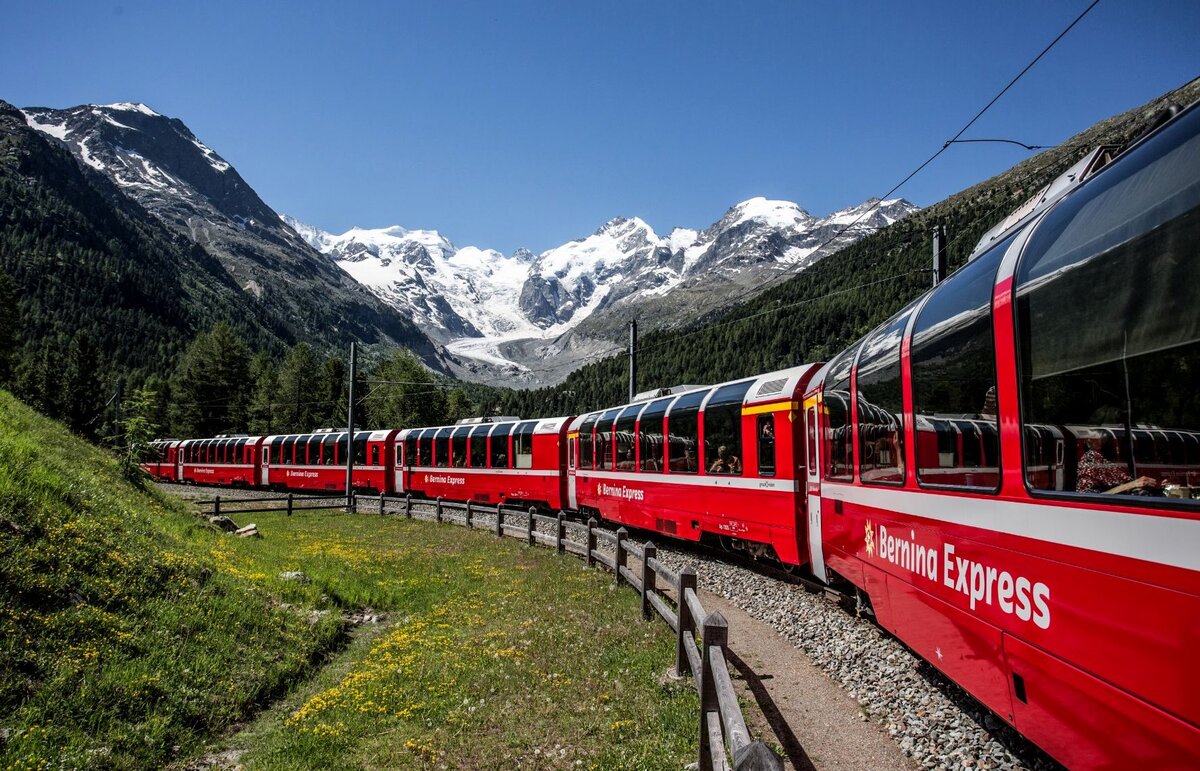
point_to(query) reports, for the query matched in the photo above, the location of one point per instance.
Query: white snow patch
(211, 157)
(87, 156)
(132, 107)
(56, 130)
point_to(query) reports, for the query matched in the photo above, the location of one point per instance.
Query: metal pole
(632, 358)
(941, 264)
(350, 429)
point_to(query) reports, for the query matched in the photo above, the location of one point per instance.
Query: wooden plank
(693, 656)
(545, 520)
(635, 550)
(570, 523)
(603, 558)
(731, 711)
(632, 578)
(543, 538)
(715, 742)
(694, 606)
(516, 531)
(575, 548)
(607, 535)
(666, 573)
(665, 611)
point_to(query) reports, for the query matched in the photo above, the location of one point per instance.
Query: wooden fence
(290, 502)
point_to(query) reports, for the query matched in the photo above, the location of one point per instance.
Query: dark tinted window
(499, 442)
(441, 447)
(334, 448)
(650, 435)
(522, 439)
(839, 441)
(604, 443)
(723, 429)
(286, 452)
(586, 441)
(954, 379)
(479, 446)
(624, 429)
(425, 445)
(683, 433)
(458, 447)
(881, 404)
(764, 429)
(1108, 320)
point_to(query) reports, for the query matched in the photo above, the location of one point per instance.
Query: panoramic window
(499, 443)
(954, 379)
(458, 446)
(683, 433)
(587, 440)
(650, 435)
(604, 443)
(1108, 329)
(723, 428)
(881, 404)
(441, 447)
(478, 443)
(523, 444)
(839, 439)
(624, 431)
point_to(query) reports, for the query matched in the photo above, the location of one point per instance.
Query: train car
(714, 463)
(317, 461)
(160, 460)
(512, 461)
(222, 460)
(1008, 468)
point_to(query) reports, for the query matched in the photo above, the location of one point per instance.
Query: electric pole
(632, 358)
(941, 265)
(350, 429)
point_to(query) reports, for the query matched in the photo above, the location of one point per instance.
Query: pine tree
(299, 397)
(80, 386)
(404, 394)
(137, 429)
(264, 375)
(9, 319)
(212, 384)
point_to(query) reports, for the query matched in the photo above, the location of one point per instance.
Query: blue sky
(530, 124)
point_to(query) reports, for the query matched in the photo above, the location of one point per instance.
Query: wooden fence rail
(724, 739)
(293, 502)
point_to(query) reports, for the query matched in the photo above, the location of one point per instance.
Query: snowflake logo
(870, 540)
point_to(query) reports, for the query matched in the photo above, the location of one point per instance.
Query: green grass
(133, 635)
(492, 655)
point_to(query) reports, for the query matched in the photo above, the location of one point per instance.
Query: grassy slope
(121, 637)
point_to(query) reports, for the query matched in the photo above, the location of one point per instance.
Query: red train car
(222, 460)
(161, 460)
(511, 461)
(981, 455)
(715, 462)
(317, 461)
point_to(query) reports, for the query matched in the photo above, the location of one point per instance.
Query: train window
(650, 435)
(586, 431)
(723, 428)
(499, 445)
(374, 454)
(334, 450)
(425, 443)
(241, 451)
(458, 447)
(283, 456)
(479, 445)
(765, 431)
(881, 404)
(623, 430)
(604, 443)
(360, 450)
(810, 431)
(835, 397)
(441, 447)
(683, 433)
(954, 379)
(410, 450)
(1108, 328)
(523, 444)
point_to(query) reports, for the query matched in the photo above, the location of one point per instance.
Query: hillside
(125, 637)
(820, 311)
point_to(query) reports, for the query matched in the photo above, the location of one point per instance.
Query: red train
(1008, 470)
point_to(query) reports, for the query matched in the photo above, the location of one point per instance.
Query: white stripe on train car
(1141, 535)
(690, 480)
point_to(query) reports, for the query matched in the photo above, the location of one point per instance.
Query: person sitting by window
(626, 461)
(1097, 474)
(459, 461)
(725, 463)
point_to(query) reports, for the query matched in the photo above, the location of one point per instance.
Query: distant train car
(1008, 468)
(160, 460)
(511, 461)
(222, 460)
(317, 461)
(717, 462)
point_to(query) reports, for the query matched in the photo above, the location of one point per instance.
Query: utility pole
(632, 358)
(941, 265)
(350, 430)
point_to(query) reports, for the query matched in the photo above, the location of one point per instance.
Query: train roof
(541, 426)
(370, 436)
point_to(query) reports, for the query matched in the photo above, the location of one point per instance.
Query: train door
(264, 471)
(400, 461)
(572, 503)
(816, 552)
(179, 463)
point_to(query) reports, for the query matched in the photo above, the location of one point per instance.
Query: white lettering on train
(980, 584)
(623, 492)
(445, 479)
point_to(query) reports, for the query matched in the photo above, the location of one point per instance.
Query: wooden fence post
(217, 506)
(499, 520)
(381, 504)
(408, 506)
(716, 636)
(619, 562)
(687, 625)
(532, 525)
(290, 501)
(591, 542)
(562, 533)
(353, 503)
(439, 510)
(649, 552)
(468, 515)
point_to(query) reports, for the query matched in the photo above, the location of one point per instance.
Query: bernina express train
(1007, 470)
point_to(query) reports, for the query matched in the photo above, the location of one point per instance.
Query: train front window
(723, 428)
(624, 430)
(683, 433)
(954, 379)
(881, 404)
(650, 435)
(839, 439)
(1108, 329)
(479, 446)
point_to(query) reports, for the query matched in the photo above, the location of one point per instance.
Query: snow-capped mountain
(160, 164)
(514, 310)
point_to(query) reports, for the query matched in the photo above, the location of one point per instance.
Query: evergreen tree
(300, 397)
(81, 402)
(212, 385)
(459, 406)
(334, 388)
(264, 376)
(137, 429)
(9, 318)
(403, 394)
